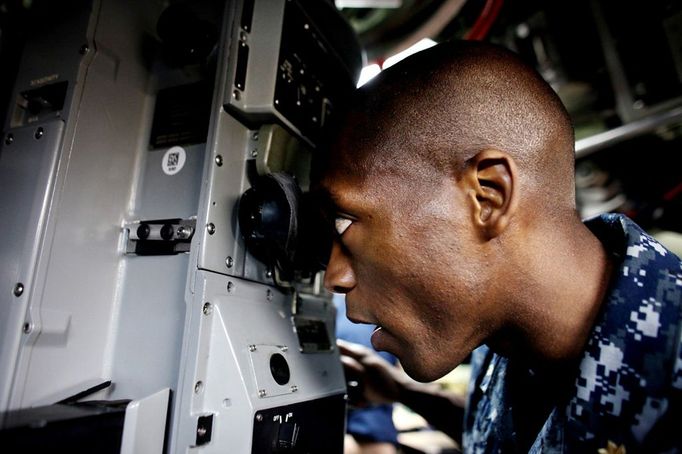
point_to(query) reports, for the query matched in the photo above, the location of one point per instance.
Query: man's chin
(421, 372)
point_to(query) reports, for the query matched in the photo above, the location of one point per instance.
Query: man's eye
(342, 225)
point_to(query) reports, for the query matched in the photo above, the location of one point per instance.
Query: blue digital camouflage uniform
(624, 395)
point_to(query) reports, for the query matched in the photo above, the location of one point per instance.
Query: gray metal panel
(27, 173)
(152, 309)
(163, 196)
(79, 287)
(264, 42)
(53, 54)
(224, 186)
(227, 373)
(148, 343)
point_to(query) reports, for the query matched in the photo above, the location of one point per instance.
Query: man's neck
(555, 316)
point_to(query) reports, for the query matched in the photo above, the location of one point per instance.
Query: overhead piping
(485, 20)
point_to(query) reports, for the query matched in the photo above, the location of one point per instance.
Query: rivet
(255, 135)
(254, 153)
(229, 262)
(219, 160)
(207, 309)
(210, 228)
(284, 348)
(198, 387)
(252, 348)
(18, 289)
(201, 431)
(262, 393)
(259, 417)
(9, 139)
(268, 274)
(39, 133)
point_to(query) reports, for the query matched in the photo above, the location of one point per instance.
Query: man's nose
(339, 277)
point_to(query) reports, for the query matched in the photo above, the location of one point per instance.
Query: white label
(173, 160)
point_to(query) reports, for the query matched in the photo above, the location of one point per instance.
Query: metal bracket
(159, 237)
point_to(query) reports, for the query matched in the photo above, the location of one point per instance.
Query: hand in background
(371, 379)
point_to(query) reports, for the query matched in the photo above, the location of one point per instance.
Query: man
(451, 189)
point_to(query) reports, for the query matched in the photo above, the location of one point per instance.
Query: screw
(294, 388)
(18, 289)
(28, 327)
(210, 228)
(230, 286)
(201, 431)
(255, 135)
(284, 348)
(198, 387)
(184, 232)
(259, 417)
(9, 139)
(254, 153)
(229, 262)
(268, 274)
(252, 348)
(39, 133)
(84, 49)
(268, 295)
(207, 309)
(219, 160)
(237, 95)
(262, 393)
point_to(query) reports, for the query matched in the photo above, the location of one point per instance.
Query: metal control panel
(135, 129)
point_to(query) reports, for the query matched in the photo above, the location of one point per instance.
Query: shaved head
(428, 115)
(451, 188)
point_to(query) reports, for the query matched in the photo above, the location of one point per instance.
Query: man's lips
(359, 321)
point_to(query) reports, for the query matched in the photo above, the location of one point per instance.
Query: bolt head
(262, 393)
(18, 289)
(229, 262)
(198, 387)
(219, 160)
(40, 132)
(259, 417)
(9, 139)
(84, 49)
(210, 228)
(207, 308)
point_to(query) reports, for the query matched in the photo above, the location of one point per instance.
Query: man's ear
(491, 179)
